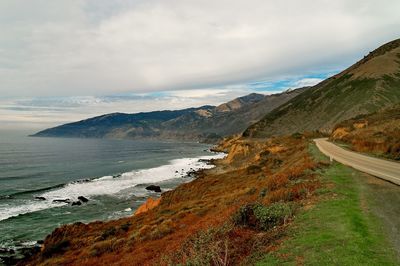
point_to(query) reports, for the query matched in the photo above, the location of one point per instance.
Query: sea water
(112, 174)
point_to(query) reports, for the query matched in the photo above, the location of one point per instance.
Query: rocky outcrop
(83, 199)
(154, 188)
(148, 205)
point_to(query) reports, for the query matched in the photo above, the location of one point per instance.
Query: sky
(65, 60)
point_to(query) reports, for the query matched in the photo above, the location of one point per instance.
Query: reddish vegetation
(378, 133)
(196, 220)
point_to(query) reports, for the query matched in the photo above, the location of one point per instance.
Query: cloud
(99, 47)
(307, 82)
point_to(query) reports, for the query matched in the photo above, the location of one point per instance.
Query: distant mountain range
(205, 123)
(371, 84)
(368, 86)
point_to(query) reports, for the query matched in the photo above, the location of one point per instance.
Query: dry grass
(378, 133)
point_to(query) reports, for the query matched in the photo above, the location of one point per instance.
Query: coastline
(13, 255)
(206, 202)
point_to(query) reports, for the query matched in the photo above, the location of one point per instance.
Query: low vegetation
(261, 217)
(377, 133)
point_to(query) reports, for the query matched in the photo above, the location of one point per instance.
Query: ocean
(112, 174)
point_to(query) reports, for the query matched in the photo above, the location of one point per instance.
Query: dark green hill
(369, 85)
(206, 123)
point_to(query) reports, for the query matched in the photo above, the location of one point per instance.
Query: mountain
(206, 123)
(371, 84)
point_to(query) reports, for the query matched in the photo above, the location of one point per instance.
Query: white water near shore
(108, 185)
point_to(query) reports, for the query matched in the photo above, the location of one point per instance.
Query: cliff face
(206, 123)
(207, 210)
(369, 85)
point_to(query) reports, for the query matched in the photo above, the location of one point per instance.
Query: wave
(107, 185)
(31, 191)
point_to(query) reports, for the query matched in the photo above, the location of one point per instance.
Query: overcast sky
(68, 59)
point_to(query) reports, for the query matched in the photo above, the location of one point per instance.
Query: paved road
(381, 168)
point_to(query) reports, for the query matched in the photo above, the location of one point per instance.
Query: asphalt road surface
(384, 169)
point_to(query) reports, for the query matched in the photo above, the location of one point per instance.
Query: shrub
(277, 181)
(106, 246)
(163, 229)
(263, 217)
(108, 232)
(263, 192)
(55, 248)
(209, 247)
(297, 135)
(251, 191)
(254, 169)
(281, 195)
(125, 227)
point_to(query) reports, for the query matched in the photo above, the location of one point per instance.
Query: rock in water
(83, 199)
(76, 203)
(154, 188)
(40, 198)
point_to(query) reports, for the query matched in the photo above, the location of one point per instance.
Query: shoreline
(23, 250)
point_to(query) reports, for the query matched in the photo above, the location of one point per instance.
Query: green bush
(263, 217)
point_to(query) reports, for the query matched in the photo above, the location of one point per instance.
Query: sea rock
(76, 203)
(206, 161)
(30, 251)
(154, 188)
(40, 198)
(83, 199)
(62, 200)
(192, 174)
(6, 251)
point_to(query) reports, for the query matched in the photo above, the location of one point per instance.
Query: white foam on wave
(108, 185)
(7, 211)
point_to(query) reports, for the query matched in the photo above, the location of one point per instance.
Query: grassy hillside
(377, 133)
(370, 85)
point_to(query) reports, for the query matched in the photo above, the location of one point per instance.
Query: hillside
(369, 85)
(275, 202)
(206, 123)
(377, 133)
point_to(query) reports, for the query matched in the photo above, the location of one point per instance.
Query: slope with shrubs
(369, 85)
(241, 207)
(377, 133)
(267, 197)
